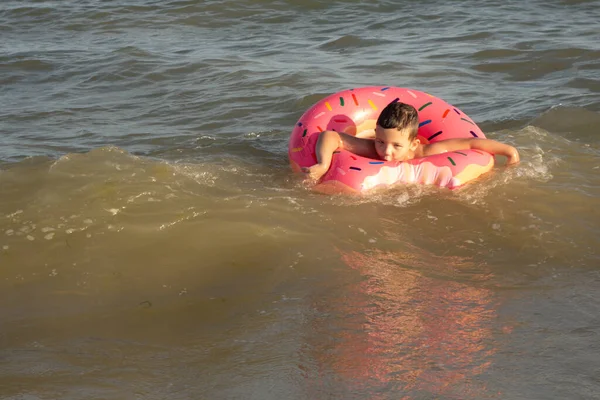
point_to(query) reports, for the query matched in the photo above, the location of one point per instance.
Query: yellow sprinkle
(297, 149)
(372, 105)
(328, 106)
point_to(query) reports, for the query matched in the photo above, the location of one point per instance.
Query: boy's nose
(388, 153)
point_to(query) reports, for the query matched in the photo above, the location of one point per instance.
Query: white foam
(14, 214)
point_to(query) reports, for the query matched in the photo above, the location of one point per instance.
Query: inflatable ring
(355, 112)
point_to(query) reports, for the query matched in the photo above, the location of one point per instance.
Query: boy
(396, 140)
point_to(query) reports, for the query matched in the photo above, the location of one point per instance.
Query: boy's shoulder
(428, 149)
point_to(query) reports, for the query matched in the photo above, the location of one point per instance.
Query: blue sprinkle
(385, 88)
(375, 162)
(299, 123)
(424, 123)
(397, 99)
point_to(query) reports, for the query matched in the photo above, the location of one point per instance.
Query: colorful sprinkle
(434, 135)
(319, 129)
(424, 123)
(425, 105)
(328, 106)
(452, 161)
(355, 168)
(458, 112)
(466, 120)
(304, 133)
(354, 98)
(375, 162)
(478, 152)
(385, 88)
(445, 113)
(379, 94)
(319, 115)
(341, 171)
(342, 101)
(339, 120)
(373, 106)
(397, 99)
(299, 123)
(458, 152)
(297, 149)
(412, 94)
(474, 134)
(352, 157)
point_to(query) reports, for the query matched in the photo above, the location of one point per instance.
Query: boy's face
(394, 145)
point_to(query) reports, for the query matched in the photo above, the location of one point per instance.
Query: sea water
(154, 243)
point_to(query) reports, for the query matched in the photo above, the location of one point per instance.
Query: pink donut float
(355, 112)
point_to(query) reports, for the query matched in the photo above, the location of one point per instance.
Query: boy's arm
(487, 145)
(330, 141)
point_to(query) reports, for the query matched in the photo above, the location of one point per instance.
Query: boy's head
(396, 132)
(400, 116)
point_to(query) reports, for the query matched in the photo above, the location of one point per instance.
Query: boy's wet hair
(400, 116)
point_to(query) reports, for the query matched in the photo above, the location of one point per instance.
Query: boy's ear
(414, 144)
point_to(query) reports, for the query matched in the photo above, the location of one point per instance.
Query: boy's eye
(398, 146)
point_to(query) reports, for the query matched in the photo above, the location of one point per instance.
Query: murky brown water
(154, 244)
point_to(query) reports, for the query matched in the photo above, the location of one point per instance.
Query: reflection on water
(402, 329)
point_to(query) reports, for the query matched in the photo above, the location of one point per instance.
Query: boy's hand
(315, 172)
(512, 157)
